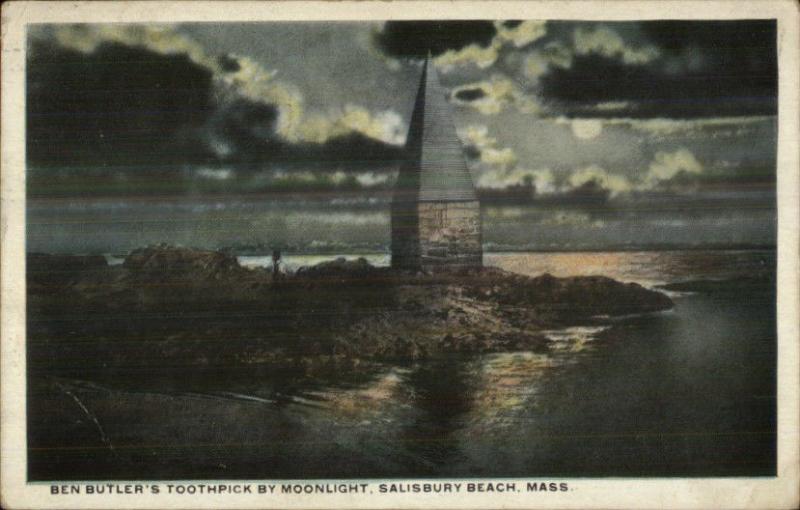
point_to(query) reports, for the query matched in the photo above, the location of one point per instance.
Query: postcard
(400, 255)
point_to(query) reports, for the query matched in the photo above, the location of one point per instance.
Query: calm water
(689, 392)
(647, 268)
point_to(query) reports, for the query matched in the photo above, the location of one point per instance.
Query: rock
(339, 269)
(181, 262)
(569, 298)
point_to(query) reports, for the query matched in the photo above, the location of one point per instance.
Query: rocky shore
(182, 307)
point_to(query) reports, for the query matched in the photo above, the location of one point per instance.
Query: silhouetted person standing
(276, 264)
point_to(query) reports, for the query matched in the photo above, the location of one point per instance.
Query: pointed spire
(436, 166)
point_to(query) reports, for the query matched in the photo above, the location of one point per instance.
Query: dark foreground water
(689, 392)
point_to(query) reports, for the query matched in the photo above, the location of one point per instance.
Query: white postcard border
(768, 492)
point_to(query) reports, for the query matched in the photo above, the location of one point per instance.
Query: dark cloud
(472, 152)
(242, 122)
(413, 39)
(732, 42)
(352, 152)
(469, 94)
(590, 193)
(118, 106)
(228, 63)
(131, 114)
(703, 69)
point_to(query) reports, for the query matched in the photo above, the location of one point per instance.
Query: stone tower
(436, 218)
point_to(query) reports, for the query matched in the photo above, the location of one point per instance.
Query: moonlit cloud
(484, 57)
(501, 158)
(493, 96)
(667, 165)
(500, 178)
(615, 184)
(540, 61)
(498, 167)
(158, 38)
(586, 129)
(386, 126)
(543, 179)
(522, 34)
(571, 218)
(215, 174)
(477, 136)
(369, 179)
(582, 128)
(604, 41)
(472, 54)
(489, 153)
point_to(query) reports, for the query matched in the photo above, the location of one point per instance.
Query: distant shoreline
(754, 247)
(511, 249)
(356, 251)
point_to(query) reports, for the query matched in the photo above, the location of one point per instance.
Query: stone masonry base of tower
(448, 235)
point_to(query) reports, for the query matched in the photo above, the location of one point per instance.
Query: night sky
(633, 114)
